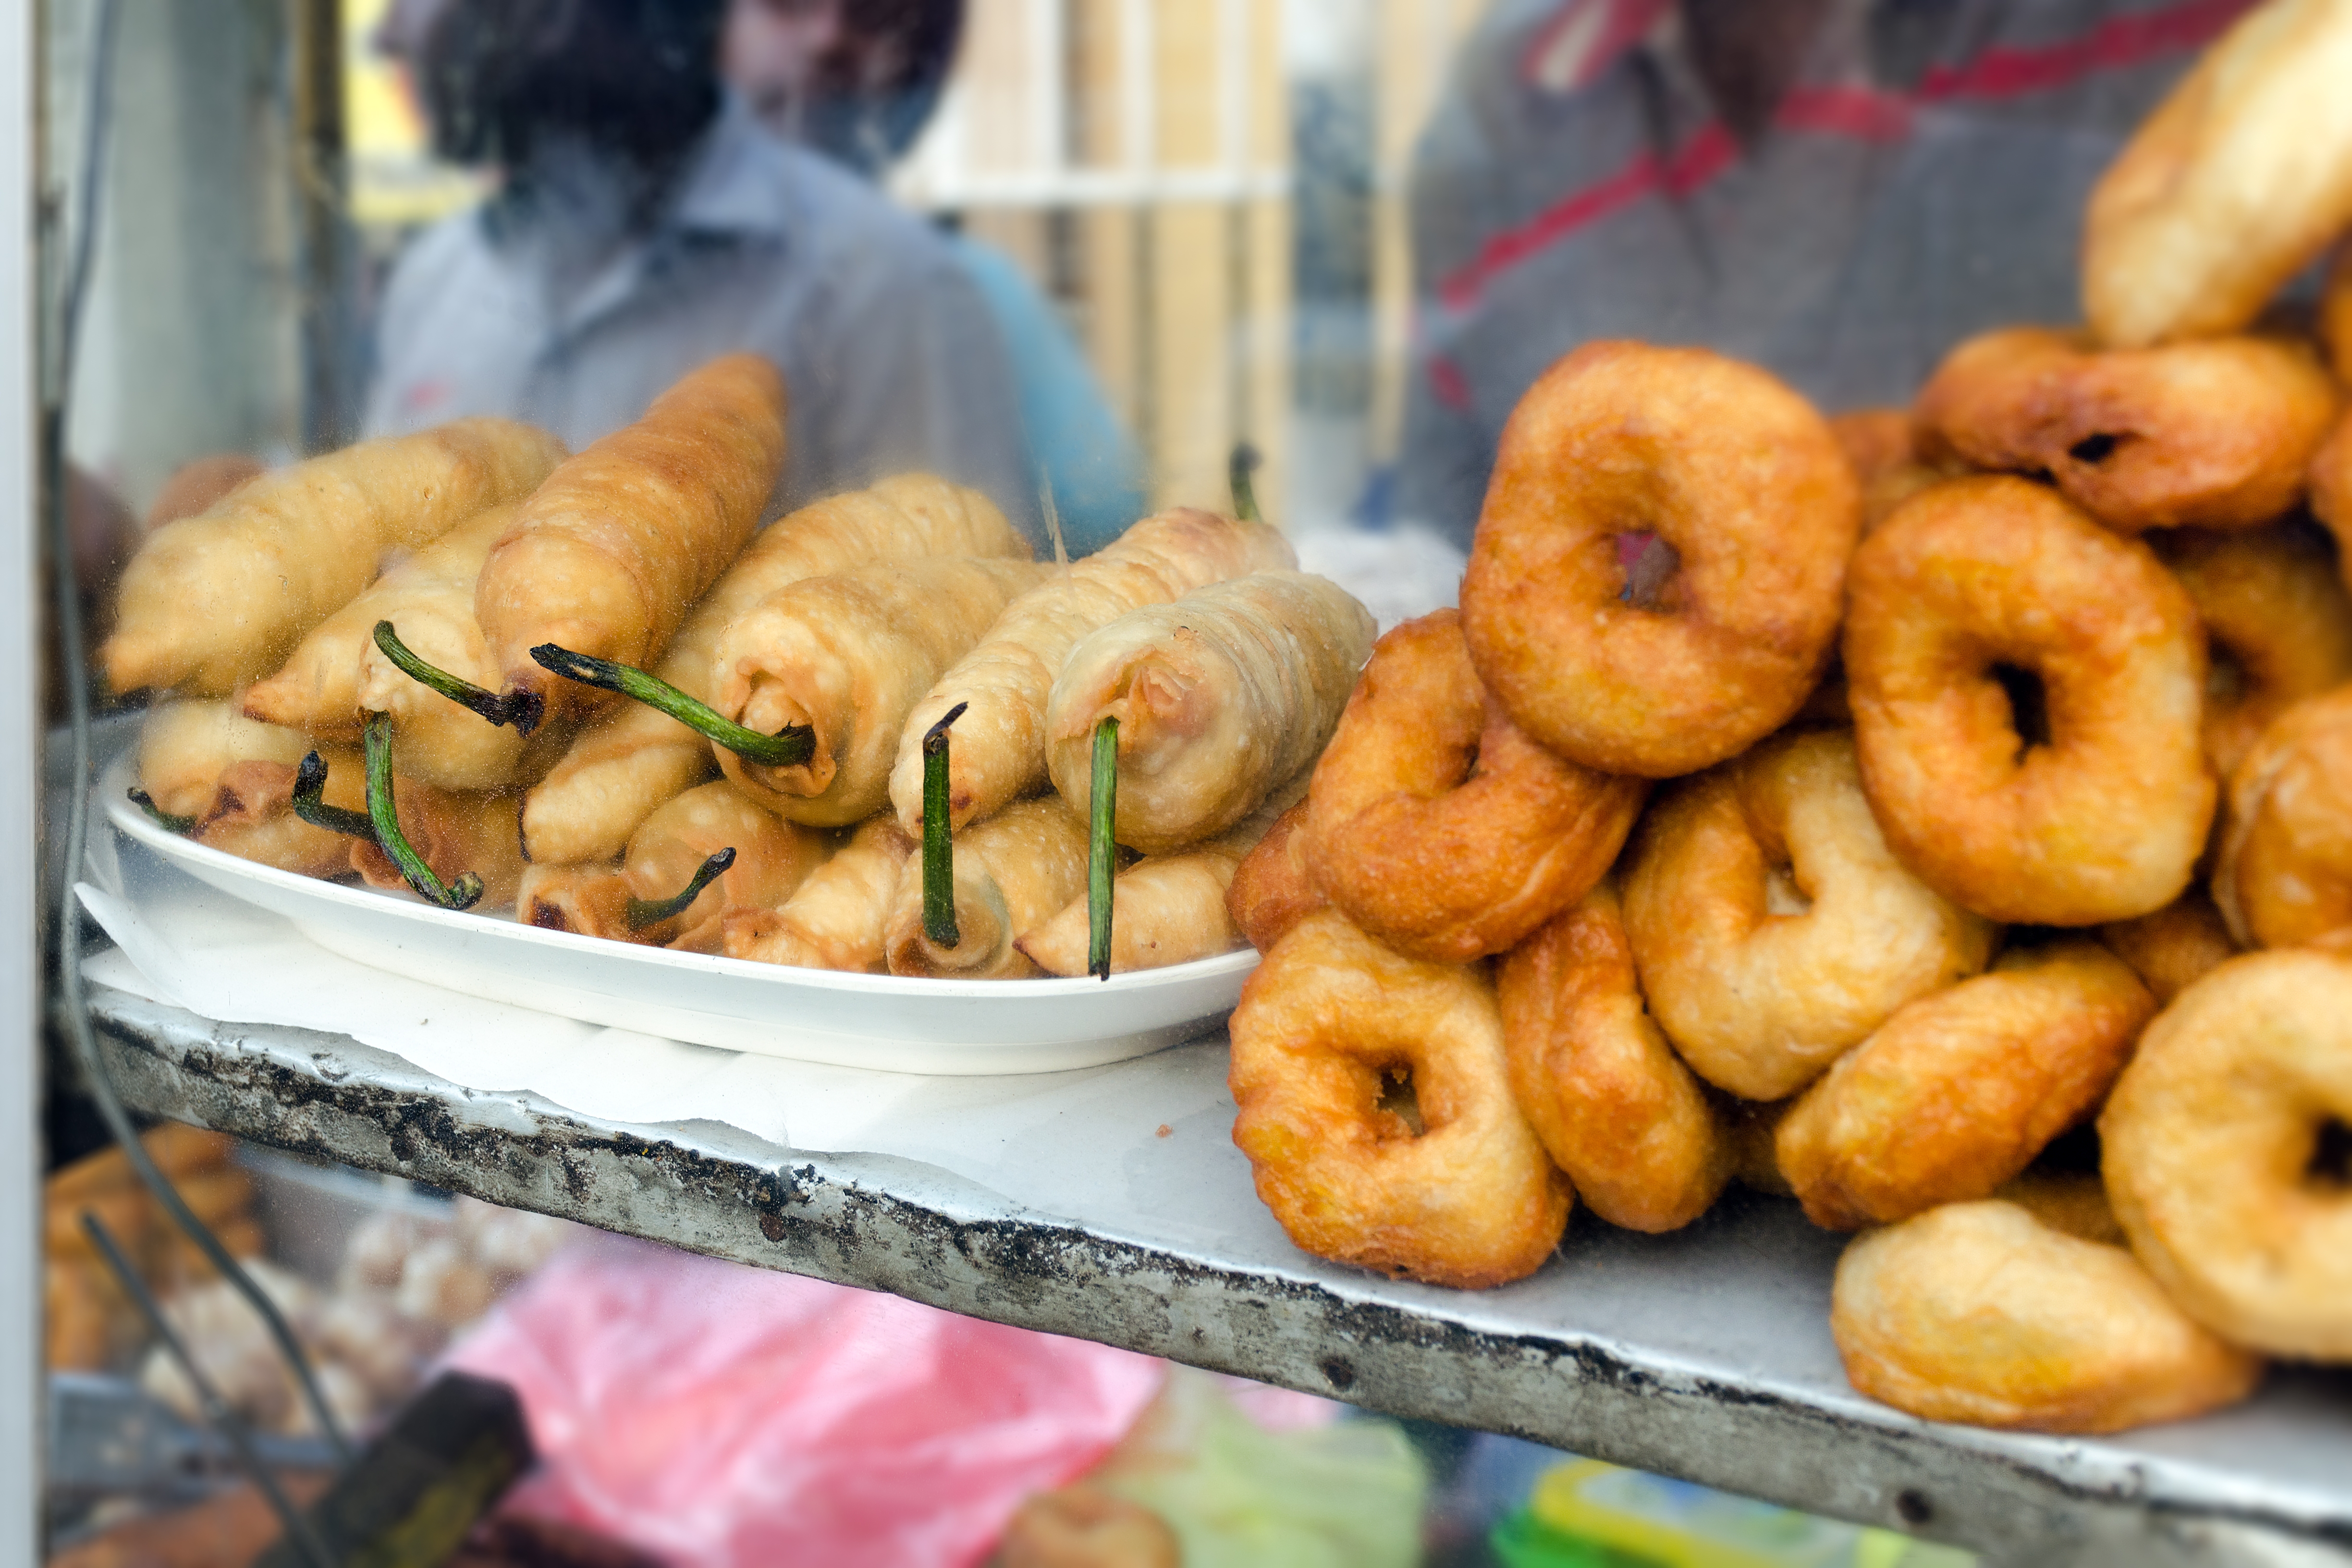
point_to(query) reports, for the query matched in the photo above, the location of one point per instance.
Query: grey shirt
(1922, 181)
(555, 309)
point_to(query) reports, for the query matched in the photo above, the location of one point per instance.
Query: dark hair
(638, 76)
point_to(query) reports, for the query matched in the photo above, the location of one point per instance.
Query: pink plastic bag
(722, 1415)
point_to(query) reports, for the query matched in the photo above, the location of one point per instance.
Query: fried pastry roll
(773, 858)
(251, 814)
(612, 551)
(999, 750)
(1011, 871)
(338, 675)
(835, 918)
(1220, 696)
(186, 746)
(1165, 909)
(217, 600)
(630, 761)
(847, 655)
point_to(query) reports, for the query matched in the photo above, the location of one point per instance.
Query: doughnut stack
(1856, 808)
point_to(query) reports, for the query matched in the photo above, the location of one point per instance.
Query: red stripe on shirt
(1866, 113)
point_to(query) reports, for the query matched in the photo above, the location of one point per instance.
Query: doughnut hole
(2029, 704)
(2330, 1166)
(2095, 449)
(1397, 1112)
(1652, 569)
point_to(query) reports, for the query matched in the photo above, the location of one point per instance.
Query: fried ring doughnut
(1272, 889)
(2201, 434)
(2278, 626)
(2284, 874)
(1881, 444)
(1436, 824)
(1467, 1197)
(1959, 1091)
(1979, 1312)
(1618, 1110)
(2224, 1152)
(2173, 947)
(2104, 822)
(1773, 927)
(1734, 471)
(2232, 186)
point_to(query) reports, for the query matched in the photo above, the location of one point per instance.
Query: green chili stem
(1102, 847)
(309, 786)
(462, 894)
(643, 912)
(794, 745)
(158, 816)
(939, 848)
(1237, 474)
(499, 708)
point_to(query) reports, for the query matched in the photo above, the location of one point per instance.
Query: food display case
(1360, 288)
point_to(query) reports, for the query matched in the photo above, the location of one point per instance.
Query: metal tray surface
(1705, 1354)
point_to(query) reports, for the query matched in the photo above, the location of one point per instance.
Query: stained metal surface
(1704, 1355)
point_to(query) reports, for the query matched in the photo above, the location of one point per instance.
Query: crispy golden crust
(1773, 927)
(1220, 696)
(252, 816)
(1471, 1200)
(847, 655)
(1958, 1092)
(1440, 827)
(184, 746)
(1018, 868)
(2284, 874)
(1978, 1312)
(2174, 946)
(772, 858)
(630, 761)
(1734, 471)
(2232, 186)
(2213, 1152)
(608, 554)
(2106, 821)
(2278, 626)
(835, 918)
(215, 601)
(1613, 1103)
(1272, 889)
(2198, 434)
(1887, 463)
(1006, 681)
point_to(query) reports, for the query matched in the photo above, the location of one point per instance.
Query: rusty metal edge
(912, 1231)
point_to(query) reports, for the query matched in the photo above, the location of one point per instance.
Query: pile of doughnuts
(1858, 809)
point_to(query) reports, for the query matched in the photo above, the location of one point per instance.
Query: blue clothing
(547, 304)
(1093, 466)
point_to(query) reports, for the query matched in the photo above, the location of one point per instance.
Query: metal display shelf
(1705, 1354)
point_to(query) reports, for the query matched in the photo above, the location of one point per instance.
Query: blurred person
(644, 222)
(857, 80)
(1837, 190)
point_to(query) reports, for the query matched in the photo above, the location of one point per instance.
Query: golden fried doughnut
(1773, 927)
(2199, 435)
(1458, 1193)
(2174, 946)
(2105, 819)
(2226, 1153)
(2284, 874)
(1978, 1313)
(2278, 626)
(2232, 186)
(2073, 1203)
(1618, 1110)
(1959, 1091)
(1272, 890)
(1438, 825)
(1739, 476)
(1887, 463)
(2331, 484)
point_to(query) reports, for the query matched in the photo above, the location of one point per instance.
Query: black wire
(298, 1528)
(98, 111)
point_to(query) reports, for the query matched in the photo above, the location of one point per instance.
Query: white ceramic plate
(968, 1027)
